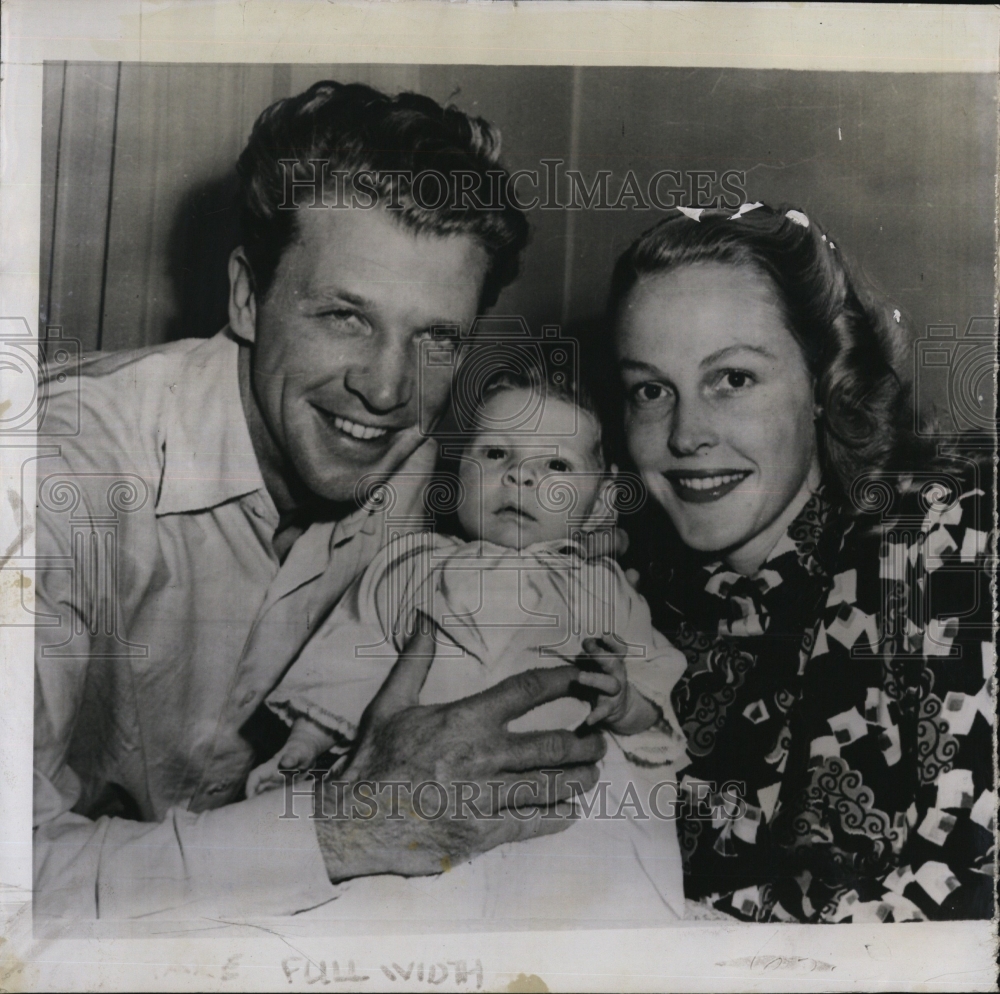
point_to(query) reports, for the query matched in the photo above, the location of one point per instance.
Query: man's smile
(369, 435)
(357, 430)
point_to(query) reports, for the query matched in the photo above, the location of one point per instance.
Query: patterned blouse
(839, 711)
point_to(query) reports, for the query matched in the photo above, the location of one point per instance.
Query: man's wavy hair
(355, 128)
(853, 344)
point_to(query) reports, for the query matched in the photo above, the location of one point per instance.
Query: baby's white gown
(500, 611)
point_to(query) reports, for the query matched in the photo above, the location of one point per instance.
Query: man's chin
(510, 535)
(352, 481)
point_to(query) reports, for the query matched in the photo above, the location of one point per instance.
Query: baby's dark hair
(546, 385)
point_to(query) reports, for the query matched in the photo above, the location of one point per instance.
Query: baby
(518, 592)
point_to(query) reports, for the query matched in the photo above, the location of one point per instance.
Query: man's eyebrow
(330, 293)
(732, 349)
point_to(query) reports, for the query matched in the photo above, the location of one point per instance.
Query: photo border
(216, 955)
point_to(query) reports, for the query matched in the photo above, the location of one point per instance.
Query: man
(205, 520)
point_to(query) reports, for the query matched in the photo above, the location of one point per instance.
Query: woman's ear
(817, 400)
(242, 297)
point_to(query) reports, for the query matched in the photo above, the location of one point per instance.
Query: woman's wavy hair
(353, 128)
(854, 345)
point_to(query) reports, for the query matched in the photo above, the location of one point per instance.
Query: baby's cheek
(471, 507)
(552, 528)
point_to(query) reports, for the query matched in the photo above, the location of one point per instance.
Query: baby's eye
(559, 466)
(495, 452)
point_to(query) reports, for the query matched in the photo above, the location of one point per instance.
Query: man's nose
(691, 428)
(382, 379)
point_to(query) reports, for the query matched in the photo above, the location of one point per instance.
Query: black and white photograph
(490, 498)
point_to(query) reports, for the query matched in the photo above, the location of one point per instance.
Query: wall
(137, 176)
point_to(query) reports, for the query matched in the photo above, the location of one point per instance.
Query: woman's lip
(705, 486)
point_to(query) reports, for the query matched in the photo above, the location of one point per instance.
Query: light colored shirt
(499, 611)
(164, 618)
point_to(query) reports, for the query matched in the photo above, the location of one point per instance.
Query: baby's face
(522, 488)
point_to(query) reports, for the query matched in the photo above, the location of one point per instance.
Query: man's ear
(242, 296)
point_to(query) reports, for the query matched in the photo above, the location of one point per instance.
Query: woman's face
(719, 411)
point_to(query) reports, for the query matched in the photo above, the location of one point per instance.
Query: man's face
(336, 349)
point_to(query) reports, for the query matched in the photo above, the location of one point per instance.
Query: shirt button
(249, 697)
(256, 511)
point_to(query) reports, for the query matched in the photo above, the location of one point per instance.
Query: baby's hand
(620, 706)
(267, 776)
(612, 684)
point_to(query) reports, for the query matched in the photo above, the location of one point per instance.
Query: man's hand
(465, 747)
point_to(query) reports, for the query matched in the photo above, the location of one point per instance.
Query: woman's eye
(648, 393)
(735, 379)
(559, 466)
(495, 453)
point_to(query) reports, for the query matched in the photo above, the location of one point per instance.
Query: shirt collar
(562, 548)
(208, 454)
(313, 551)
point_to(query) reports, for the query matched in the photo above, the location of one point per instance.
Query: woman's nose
(691, 429)
(383, 379)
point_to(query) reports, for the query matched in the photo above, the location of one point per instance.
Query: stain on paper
(525, 983)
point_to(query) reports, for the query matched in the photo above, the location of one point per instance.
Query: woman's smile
(705, 486)
(759, 390)
(720, 411)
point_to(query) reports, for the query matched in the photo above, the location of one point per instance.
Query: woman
(831, 597)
